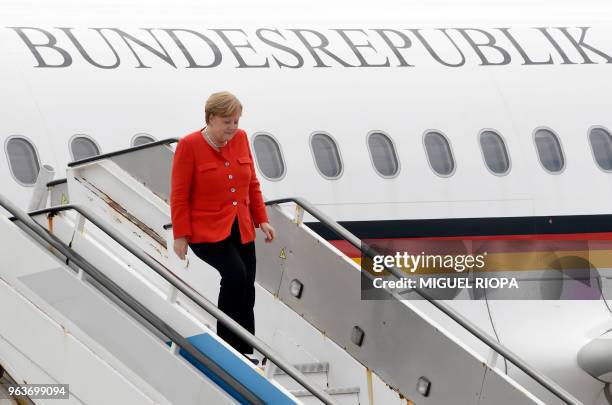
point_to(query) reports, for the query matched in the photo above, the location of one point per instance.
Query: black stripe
(56, 182)
(122, 151)
(414, 228)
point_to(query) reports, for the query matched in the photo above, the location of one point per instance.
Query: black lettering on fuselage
(580, 44)
(291, 51)
(433, 53)
(234, 48)
(395, 48)
(129, 39)
(85, 54)
(527, 60)
(345, 48)
(555, 44)
(490, 43)
(51, 44)
(322, 47)
(355, 48)
(172, 32)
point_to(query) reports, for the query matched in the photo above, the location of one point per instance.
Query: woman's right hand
(180, 247)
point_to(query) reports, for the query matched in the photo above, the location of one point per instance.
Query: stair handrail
(367, 251)
(196, 297)
(90, 159)
(160, 325)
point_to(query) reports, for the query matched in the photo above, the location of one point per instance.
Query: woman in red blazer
(216, 203)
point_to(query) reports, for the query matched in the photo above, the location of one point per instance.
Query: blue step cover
(236, 367)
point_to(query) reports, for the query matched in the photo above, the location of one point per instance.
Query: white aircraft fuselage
(111, 72)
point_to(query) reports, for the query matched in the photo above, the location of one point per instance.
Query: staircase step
(330, 391)
(307, 368)
(344, 395)
(316, 373)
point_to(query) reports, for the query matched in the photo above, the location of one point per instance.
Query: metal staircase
(118, 315)
(396, 340)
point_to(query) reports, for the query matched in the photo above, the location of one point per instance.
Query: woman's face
(223, 128)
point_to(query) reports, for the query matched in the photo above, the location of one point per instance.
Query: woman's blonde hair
(223, 104)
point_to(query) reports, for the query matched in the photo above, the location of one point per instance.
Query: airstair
(309, 305)
(110, 333)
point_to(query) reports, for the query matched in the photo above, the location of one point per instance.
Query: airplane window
(142, 139)
(601, 145)
(83, 147)
(383, 154)
(327, 156)
(269, 157)
(494, 152)
(549, 150)
(23, 160)
(439, 153)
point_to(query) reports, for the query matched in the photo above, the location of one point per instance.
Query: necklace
(209, 139)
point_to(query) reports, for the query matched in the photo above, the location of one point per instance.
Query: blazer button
(234, 202)
(230, 177)
(227, 164)
(233, 190)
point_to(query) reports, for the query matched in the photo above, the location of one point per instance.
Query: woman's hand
(180, 247)
(268, 230)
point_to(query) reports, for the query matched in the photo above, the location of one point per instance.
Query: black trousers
(236, 264)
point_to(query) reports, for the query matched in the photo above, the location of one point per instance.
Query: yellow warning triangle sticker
(64, 200)
(282, 254)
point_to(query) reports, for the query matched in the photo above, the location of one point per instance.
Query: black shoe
(251, 359)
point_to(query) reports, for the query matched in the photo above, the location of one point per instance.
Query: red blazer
(209, 189)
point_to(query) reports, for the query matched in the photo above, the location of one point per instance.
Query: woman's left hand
(268, 230)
